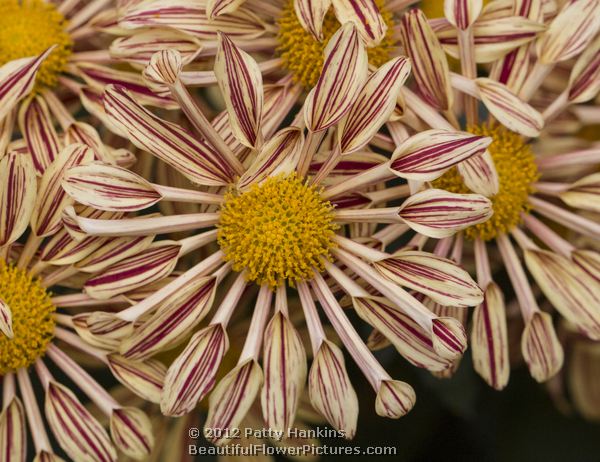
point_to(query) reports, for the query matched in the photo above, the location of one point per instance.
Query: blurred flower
(266, 198)
(528, 187)
(40, 285)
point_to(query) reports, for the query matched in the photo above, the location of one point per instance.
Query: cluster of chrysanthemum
(437, 175)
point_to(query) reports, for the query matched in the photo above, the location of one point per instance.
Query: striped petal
(17, 196)
(411, 341)
(6, 320)
(489, 340)
(79, 132)
(365, 15)
(145, 267)
(540, 347)
(589, 261)
(51, 198)
(330, 390)
(311, 14)
(231, 400)
(144, 378)
(38, 130)
(440, 279)
(45, 456)
(278, 155)
(132, 433)
(570, 289)
(17, 79)
(240, 81)
(429, 63)
(437, 213)
(13, 438)
(216, 8)
(428, 154)
(113, 251)
(174, 145)
(480, 175)
(173, 321)
(449, 338)
(284, 361)
(394, 399)
(101, 330)
(108, 187)
(62, 249)
(509, 109)
(139, 47)
(584, 193)
(373, 105)
(76, 430)
(192, 19)
(584, 81)
(192, 375)
(570, 32)
(342, 77)
(462, 13)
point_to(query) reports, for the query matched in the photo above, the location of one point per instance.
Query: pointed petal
(51, 198)
(480, 175)
(584, 193)
(231, 399)
(394, 399)
(17, 79)
(13, 438)
(45, 456)
(439, 278)
(509, 109)
(373, 105)
(76, 430)
(278, 155)
(365, 15)
(342, 77)
(17, 196)
(437, 213)
(540, 347)
(174, 145)
(330, 390)
(147, 266)
(570, 32)
(144, 378)
(108, 187)
(489, 340)
(38, 130)
(173, 321)
(449, 338)
(102, 330)
(311, 14)
(132, 433)
(216, 8)
(82, 133)
(284, 360)
(428, 154)
(410, 339)
(240, 81)
(429, 62)
(573, 292)
(192, 375)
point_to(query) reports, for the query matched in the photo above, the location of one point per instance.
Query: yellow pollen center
(27, 28)
(32, 319)
(517, 172)
(276, 231)
(302, 54)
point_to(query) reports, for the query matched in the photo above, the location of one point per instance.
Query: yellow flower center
(29, 27)
(302, 54)
(278, 230)
(517, 172)
(32, 320)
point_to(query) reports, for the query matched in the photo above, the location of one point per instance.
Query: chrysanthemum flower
(36, 323)
(532, 193)
(289, 37)
(267, 198)
(47, 51)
